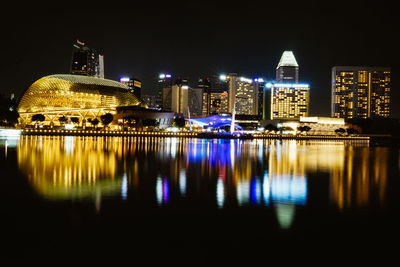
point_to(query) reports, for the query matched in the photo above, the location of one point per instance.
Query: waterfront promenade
(55, 132)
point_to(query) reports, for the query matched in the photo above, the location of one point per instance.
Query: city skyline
(156, 51)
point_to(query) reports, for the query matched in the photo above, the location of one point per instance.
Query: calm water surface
(72, 199)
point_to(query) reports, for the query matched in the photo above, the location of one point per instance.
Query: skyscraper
(287, 70)
(360, 92)
(163, 97)
(86, 61)
(215, 96)
(135, 85)
(289, 101)
(243, 95)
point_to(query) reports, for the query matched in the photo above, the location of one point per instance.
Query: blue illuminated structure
(215, 122)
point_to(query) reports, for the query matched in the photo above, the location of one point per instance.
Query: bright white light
(222, 77)
(291, 85)
(9, 132)
(185, 87)
(69, 126)
(159, 190)
(220, 193)
(173, 129)
(162, 76)
(168, 75)
(243, 79)
(124, 187)
(182, 182)
(124, 79)
(260, 129)
(258, 80)
(268, 85)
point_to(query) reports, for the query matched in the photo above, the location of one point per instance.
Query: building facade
(73, 96)
(163, 94)
(289, 101)
(242, 94)
(134, 85)
(86, 61)
(360, 92)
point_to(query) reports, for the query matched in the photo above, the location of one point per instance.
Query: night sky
(199, 39)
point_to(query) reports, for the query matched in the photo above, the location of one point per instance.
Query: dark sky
(143, 39)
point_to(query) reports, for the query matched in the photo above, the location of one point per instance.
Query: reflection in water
(236, 172)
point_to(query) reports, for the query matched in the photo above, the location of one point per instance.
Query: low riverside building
(138, 117)
(318, 125)
(63, 99)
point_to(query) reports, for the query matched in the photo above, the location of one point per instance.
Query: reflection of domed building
(77, 96)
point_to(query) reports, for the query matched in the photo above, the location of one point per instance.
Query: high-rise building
(86, 61)
(289, 101)
(135, 85)
(195, 102)
(163, 96)
(214, 95)
(218, 103)
(360, 92)
(243, 94)
(286, 98)
(287, 70)
(179, 98)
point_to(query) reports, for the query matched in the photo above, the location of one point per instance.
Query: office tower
(135, 85)
(360, 92)
(86, 61)
(260, 88)
(195, 101)
(289, 101)
(218, 103)
(163, 96)
(266, 106)
(243, 95)
(179, 98)
(287, 70)
(214, 95)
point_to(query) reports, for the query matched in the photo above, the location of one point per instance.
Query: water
(71, 200)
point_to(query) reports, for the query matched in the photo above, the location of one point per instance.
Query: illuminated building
(287, 70)
(318, 125)
(179, 98)
(243, 94)
(215, 122)
(135, 85)
(215, 95)
(289, 101)
(218, 103)
(360, 92)
(77, 96)
(164, 91)
(126, 114)
(86, 61)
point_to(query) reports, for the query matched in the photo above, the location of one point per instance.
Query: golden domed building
(74, 96)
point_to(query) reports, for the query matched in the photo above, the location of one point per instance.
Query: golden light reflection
(235, 172)
(68, 167)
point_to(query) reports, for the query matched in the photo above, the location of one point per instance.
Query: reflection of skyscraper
(287, 70)
(361, 179)
(86, 61)
(362, 92)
